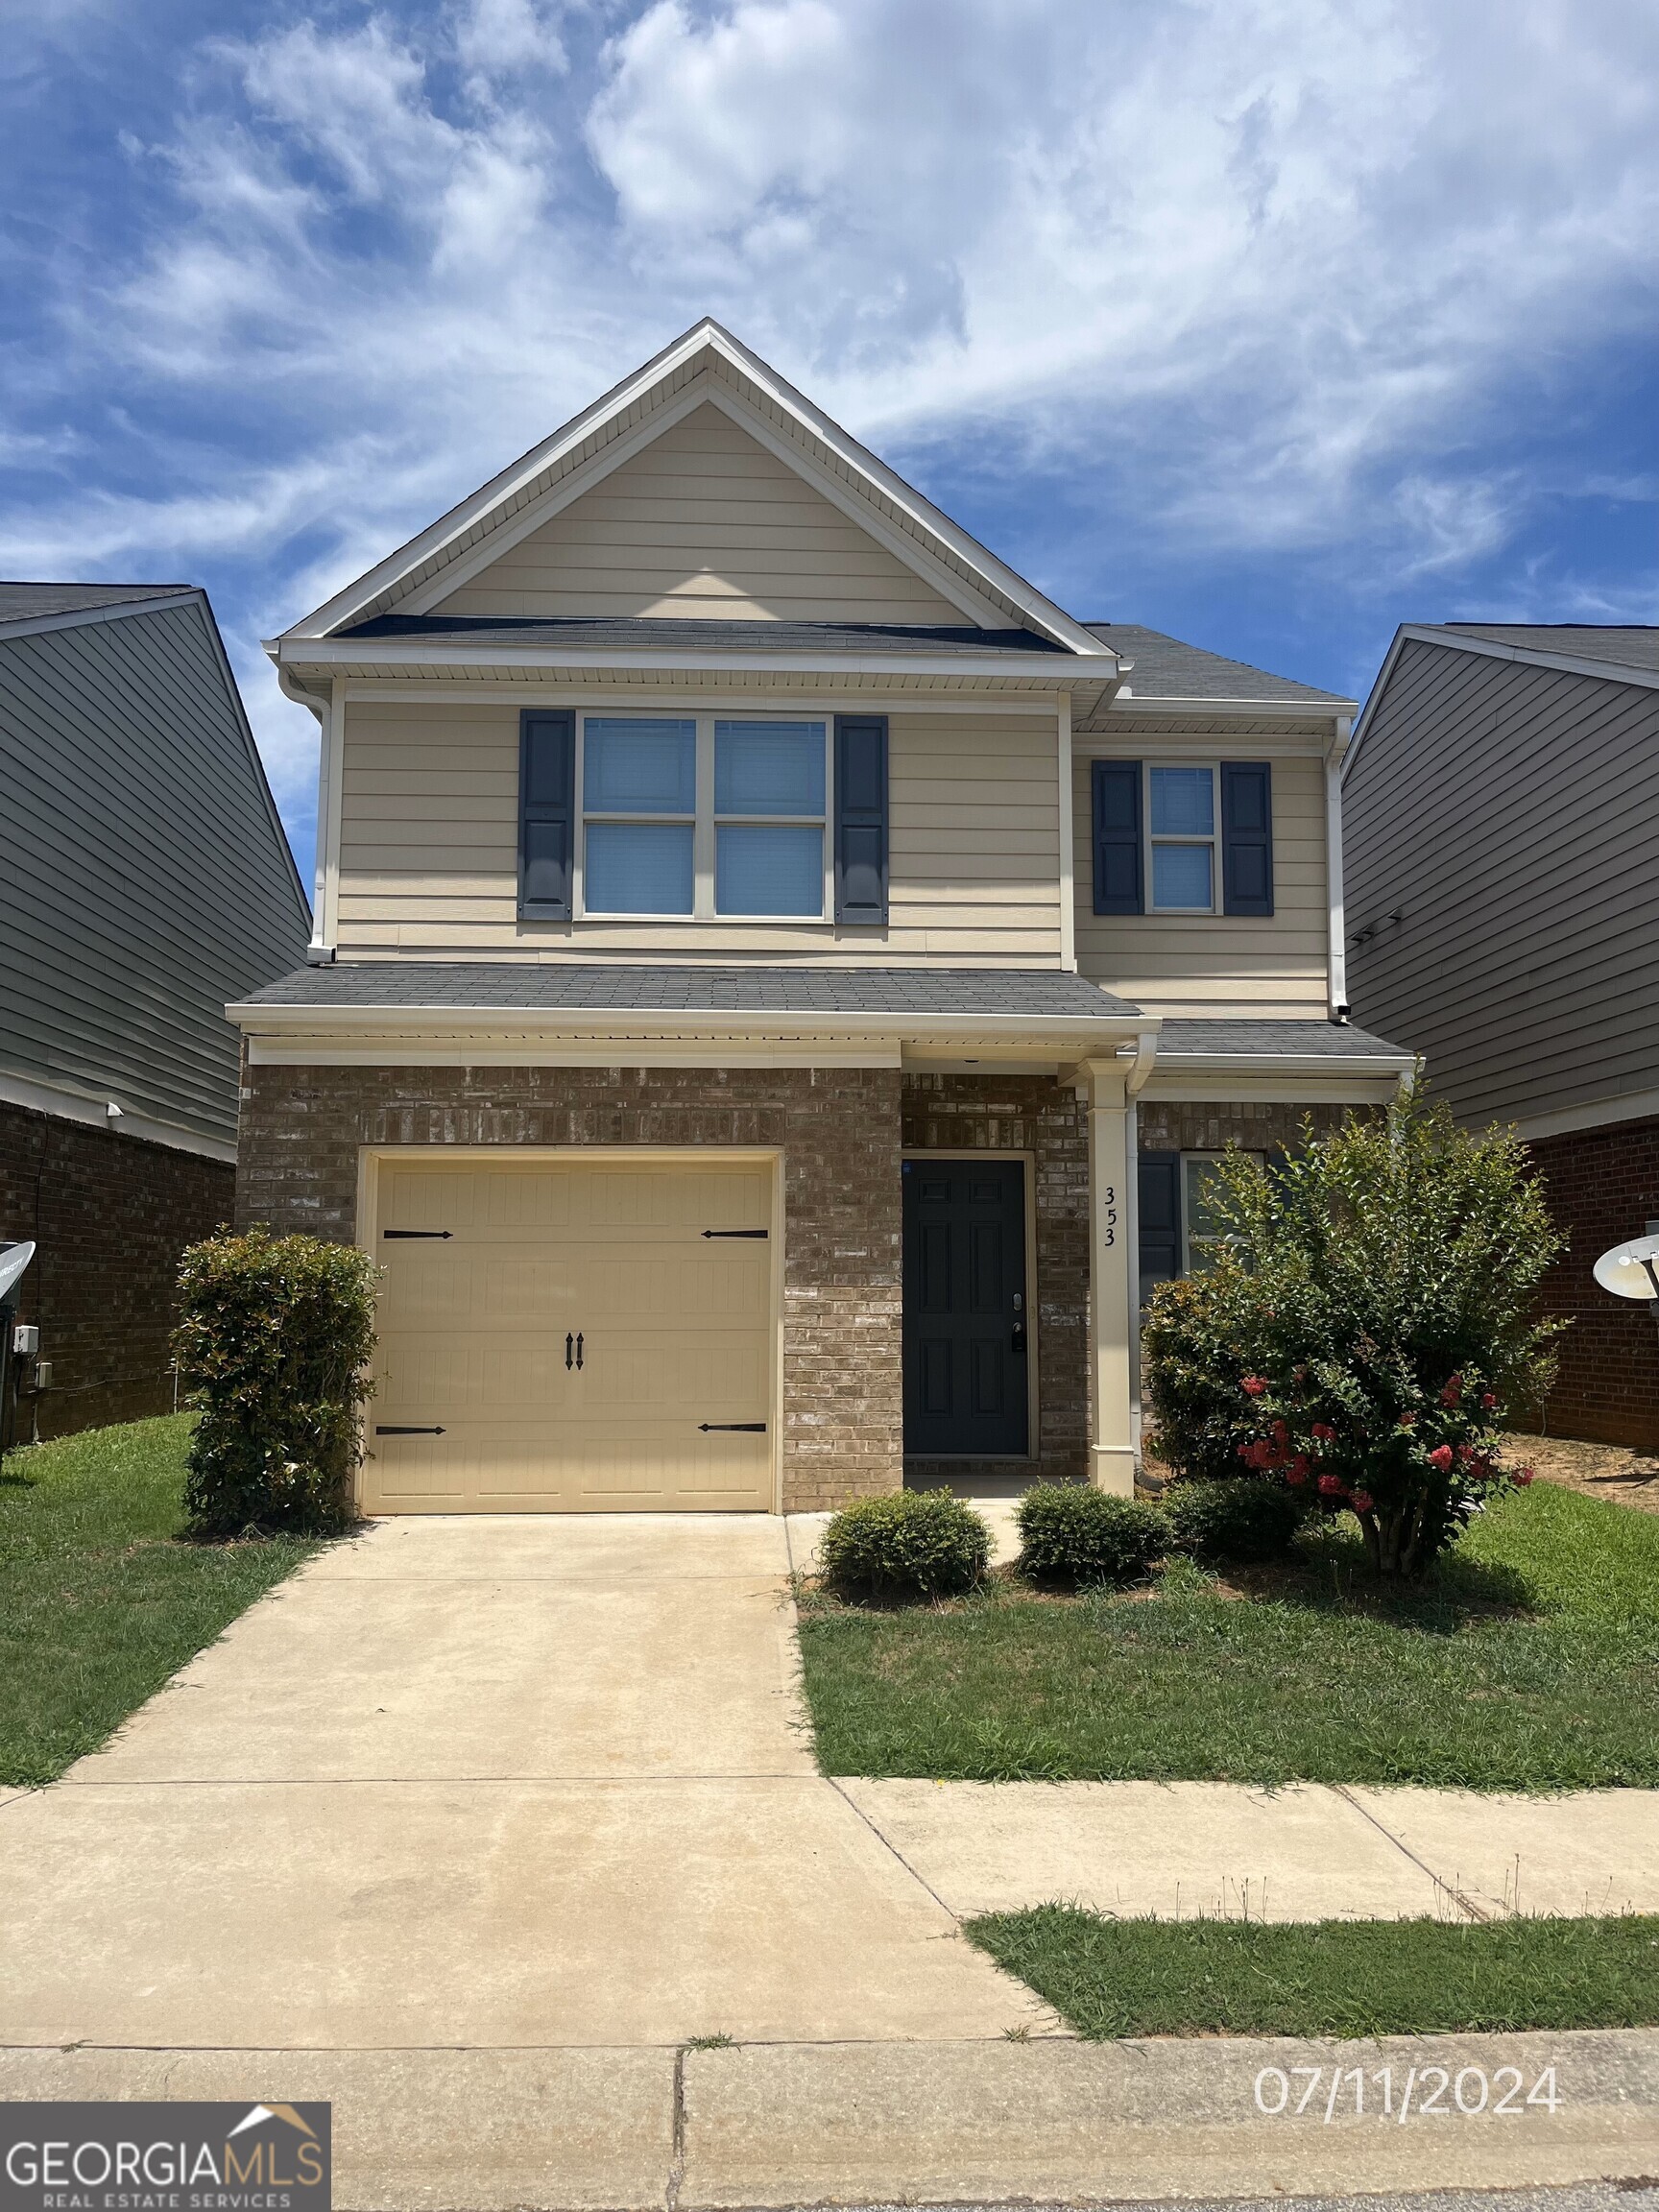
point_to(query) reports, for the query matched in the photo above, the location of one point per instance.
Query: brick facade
(1211, 1125)
(1028, 1114)
(838, 1130)
(111, 1216)
(1603, 1189)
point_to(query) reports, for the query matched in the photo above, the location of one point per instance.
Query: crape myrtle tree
(1367, 1326)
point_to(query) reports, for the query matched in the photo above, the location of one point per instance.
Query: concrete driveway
(501, 1783)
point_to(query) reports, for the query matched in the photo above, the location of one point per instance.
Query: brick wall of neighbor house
(111, 1215)
(1603, 1189)
(1028, 1114)
(838, 1129)
(1211, 1125)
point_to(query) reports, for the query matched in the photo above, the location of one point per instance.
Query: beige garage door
(572, 1339)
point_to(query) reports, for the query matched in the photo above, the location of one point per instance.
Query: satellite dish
(1629, 1271)
(13, 1259)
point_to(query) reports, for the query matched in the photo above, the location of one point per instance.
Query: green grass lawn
(1110, 1978)
(1531, 1661)
(99, 1599)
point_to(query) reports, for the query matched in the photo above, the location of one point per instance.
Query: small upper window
(640, 799)
(1182, 823)
(769, 781)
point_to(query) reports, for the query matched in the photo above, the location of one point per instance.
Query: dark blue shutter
(1116, 804)
(1246, 837)
(861, 818)
(1157, 1215)
(546, 814)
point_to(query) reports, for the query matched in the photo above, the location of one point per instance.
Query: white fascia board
(707, 336)
(327, 654)
(1367, 1066)
(1126, 701)
(1598, 1114)
(1061, 1034)
(1265, 1089)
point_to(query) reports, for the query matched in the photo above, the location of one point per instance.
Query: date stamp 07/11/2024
(1426, 2093)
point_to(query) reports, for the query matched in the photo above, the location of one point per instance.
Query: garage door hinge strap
(395, 1430)
(735, 1232)
(444, 1234)
(740, 1428)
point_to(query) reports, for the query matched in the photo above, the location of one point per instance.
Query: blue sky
(1270, 323)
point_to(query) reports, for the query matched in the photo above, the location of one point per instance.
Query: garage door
(572, 1339)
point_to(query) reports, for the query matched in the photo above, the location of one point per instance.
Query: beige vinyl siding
(428, 852)
(1193, 965)
(704, 522)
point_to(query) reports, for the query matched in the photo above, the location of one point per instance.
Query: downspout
(321, 949)
(1337, 953)
(1142, 1055)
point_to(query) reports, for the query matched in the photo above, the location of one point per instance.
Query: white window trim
(1212, 841)
(704, 824)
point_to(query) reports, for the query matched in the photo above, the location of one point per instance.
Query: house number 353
(1109, 1213)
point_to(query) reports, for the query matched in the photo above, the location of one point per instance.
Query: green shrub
(1070, 1533)
(1366, 1322)
(911, 1544)
(273, 1338)
(1248, 1517)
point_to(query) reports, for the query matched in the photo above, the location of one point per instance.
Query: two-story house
(144, 879)
(779, 979)
(1503, 840)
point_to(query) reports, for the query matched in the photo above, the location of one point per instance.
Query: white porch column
(1112, 1436)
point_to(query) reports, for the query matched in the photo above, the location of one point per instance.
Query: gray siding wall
(143, 876)
(1511, 813)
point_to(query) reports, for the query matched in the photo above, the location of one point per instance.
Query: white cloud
(1277, 272)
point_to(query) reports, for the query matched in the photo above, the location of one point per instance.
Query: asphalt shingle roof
(591, 988)
(30, 602)
(1327, 1040)
(643, 634)
(1626, 645)
(1166, 668)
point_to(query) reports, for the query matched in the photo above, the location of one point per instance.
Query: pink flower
(1253, 1387)
(1324, 1432)
(1407, 1419)
(1332, 1486)
(1524, 1476)
(1361, 1500)
(1441, 1457)
(1465, 1451)
(1487, 1401)
(1453, 1391)
(1296, 1475)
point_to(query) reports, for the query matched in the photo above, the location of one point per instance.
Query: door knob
(1019, 1336)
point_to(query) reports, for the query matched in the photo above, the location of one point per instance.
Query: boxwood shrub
(1243, 1517)
(273, 1339)
(1076, 1534)
(911, 1544)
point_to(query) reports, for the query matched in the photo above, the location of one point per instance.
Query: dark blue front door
(965, 1316)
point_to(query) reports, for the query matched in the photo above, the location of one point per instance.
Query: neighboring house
(755, 933)
(144, 878)
(1501, 807)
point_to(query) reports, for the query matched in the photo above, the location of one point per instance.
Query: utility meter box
(26, 1340)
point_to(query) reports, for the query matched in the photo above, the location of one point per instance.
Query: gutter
(1070, 1032)
(1061, 670)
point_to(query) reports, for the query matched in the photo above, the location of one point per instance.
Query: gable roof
(1616, 652)
(25, 607)
(705, 365)
(1164, 668)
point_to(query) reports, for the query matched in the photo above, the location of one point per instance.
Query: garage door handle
(734, 1232)
(443, 1235)
(397, 1430)
(570, 1344)
(739, 1428)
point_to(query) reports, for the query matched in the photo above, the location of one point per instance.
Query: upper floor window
(1183, 837)
(704, 817)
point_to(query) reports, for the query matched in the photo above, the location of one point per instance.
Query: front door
(966, 1326)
